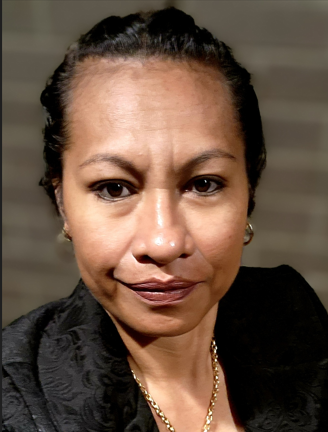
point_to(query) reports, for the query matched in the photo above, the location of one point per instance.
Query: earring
(66, 235)
(249, 234)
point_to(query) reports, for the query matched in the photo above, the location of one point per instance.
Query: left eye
(205, 186)
(114, 190)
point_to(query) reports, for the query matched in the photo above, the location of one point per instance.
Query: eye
(114, 190)
(205, 185)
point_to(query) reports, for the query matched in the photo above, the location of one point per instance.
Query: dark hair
(164, 34)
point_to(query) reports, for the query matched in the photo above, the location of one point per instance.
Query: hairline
(82, 69)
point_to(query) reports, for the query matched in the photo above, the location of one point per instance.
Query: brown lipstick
(162, 293)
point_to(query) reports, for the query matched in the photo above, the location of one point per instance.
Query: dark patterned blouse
(65, 366)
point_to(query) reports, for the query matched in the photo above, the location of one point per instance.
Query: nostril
(159, 261)
(146, 259)
(184, 255)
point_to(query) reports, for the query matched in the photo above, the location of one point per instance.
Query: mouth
(162, 293)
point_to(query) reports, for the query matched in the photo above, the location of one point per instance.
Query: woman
(154, 149)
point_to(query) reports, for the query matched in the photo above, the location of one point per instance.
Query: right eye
(114, 190)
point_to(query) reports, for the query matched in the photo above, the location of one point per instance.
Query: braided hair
(163, 34)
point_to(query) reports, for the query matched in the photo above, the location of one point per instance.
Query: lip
(162, 293)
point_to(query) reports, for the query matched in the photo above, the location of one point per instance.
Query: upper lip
(154, 284)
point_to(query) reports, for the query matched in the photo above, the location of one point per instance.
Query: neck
(179, 359)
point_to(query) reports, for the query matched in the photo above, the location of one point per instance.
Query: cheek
(100, 240)
(219, 234)
(222, 249)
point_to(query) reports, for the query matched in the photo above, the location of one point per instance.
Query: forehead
(152, 103)
(149, 86)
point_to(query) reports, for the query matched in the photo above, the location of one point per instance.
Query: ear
(58, 189)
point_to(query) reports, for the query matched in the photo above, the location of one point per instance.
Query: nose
(162, 234)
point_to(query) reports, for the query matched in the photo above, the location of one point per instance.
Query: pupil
(115, 189)
(202, 185)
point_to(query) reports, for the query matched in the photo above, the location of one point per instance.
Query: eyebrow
(132, 169)
(114, 160)
(204, 157)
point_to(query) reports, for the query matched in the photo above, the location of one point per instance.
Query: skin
(158, 116)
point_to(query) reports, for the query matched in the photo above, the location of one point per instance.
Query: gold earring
(66, 235)
(249, 234)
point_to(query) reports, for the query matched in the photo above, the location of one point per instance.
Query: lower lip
(162, 298)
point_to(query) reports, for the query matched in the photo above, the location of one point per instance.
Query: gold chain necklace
(209, 416)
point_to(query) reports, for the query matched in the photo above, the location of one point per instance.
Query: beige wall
(284, 44)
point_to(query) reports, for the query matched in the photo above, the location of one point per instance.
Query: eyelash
(98, 188)
(219, 182)
(215, 182)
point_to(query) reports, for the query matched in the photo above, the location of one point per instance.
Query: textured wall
(284, 44)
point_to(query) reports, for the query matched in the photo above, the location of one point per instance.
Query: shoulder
(56, 360)
(282, 277)
(20, 339)
(278, 283)
(21, 390)
(278, 312)
(272, 331)
(282, 286)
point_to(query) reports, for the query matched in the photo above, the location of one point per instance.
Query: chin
(162, 322)
(157, 327)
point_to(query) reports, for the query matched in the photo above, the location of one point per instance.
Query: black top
(65, 366)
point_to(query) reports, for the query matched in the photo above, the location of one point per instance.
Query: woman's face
(155, 190)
